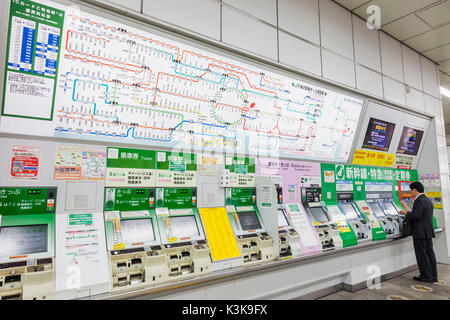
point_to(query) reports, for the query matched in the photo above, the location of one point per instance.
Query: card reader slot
(136, 261)
(12, 297)
(121, 265)
(14, 278)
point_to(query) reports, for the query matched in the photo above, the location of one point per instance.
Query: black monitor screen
(184, 226)
(319, 214)
(282, 221)
(137, 230)
(349, 211)
(378, 135)
(22, 240)
(375, 207)
(410, 141)
(249, 220)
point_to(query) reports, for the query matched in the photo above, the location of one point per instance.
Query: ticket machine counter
(361, 227)
(27, 245)
(255, 244)
(182, 236)
(289, 239)
(327, 231)
(134, 245)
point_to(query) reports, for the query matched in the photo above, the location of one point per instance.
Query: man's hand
(402, 212)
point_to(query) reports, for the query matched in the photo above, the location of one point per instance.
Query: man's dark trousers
(426, 260)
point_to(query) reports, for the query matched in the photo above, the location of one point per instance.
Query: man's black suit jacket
(421, 218)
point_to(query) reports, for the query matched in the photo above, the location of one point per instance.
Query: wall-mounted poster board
(378, 135)
(98, 79)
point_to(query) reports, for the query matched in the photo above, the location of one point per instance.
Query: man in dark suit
(422, 230)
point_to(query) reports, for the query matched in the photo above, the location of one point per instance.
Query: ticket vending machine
(327, 230)
(405, 195)
(380, 200)
(289, 239)
(256, 245)
(134, 245)
(362, 228)
(27, 245)
(182, 236)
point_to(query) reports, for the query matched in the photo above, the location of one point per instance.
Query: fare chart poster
(92, 78)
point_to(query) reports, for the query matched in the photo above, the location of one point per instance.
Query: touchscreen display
(20, 240)
(137, 230)
(184, 226)
(249, 221)
(319, 214)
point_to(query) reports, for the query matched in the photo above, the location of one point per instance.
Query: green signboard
(176, 161)
(175, 198)
(32, 58)
(130, 158)
(240, 165)
(128, 199)
(15, 201)
(240, 196)
(80, 219)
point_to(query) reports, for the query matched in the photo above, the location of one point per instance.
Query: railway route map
(117, 83)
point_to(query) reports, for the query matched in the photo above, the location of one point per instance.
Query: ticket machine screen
(349, 211)
(137, 230)
(249, 220)
(375, 207)
(319, 214)
(184, 226)
(282, 221)
(20, 240)
(390, 209)
(409, 203)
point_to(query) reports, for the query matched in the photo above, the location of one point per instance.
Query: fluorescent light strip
(445, 92)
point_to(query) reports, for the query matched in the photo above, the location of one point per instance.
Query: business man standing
(422, 230)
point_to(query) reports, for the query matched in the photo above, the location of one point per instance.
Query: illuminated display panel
(319, 214)
(378, 135)
(20, 240)
(282, 221)
(349, 211)
(137, 230)
(184, 226)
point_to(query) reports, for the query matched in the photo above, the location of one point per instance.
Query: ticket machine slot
(362, 229)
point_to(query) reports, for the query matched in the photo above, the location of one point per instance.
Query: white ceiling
(424, 25)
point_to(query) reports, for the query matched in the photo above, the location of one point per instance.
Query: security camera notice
(213, 311)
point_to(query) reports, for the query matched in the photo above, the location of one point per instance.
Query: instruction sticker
(24, 163)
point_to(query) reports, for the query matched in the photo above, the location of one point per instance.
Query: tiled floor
(401, 286)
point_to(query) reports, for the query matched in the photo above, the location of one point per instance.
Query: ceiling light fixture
(445, 92)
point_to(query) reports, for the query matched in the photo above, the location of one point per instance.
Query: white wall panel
(129, 4)
(300, 17)
(391, 57)
(249, 34)
(415, 99)
(369, 81)
(336, 28)
(200, 16)
(430, 82)
(412, 70)
(299, 54)
(367, 44)
(262, 9)
(338, 68)
(394, 90)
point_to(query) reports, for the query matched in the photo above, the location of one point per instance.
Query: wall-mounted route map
(118, 83)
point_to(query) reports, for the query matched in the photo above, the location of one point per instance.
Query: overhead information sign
(118, 83)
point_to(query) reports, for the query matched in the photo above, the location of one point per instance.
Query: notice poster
(378, 135)
(68, 162)
(373, 158)
(410, 141)
(32, 51)
(93, 164)
(24, 163)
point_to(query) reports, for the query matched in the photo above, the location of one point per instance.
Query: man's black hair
(418, 186)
